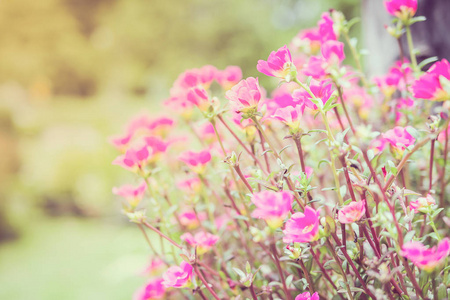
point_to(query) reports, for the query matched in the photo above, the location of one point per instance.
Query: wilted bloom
(352, 212)
(402, 9)
(321, 91)
(302, 227)
(154, 289)
(272, 206)
(132, 194)
(178, 276)
(307, 296)
(245, 96)
(399, 138)
(290, 116)
(424, 258)
(203, 240)
(430, 85)
(422, 204)
(229, 77)
(196, 160)
(134, 159)
(279, 64)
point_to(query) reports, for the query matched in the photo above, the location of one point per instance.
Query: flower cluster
(310, 191)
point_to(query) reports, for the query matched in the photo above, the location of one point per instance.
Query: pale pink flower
(156, 144)
(154, 267)
(273, 207)
(290, 116)
(121, 142)
(321, 91)
(399, 138)
(245, 96)
(363, 102)
(207, 75)
(316, 68)
(279, 64)
(134, 159)
(196, 160)
(229, 77)
(190, 185)
(441, 137)
(403, 104)
(198, 96)
(302, 227)
(422, 204)
(352, 212)
(429, 85)
(308, 296)
(192, 220)
(154, 289)
(202, 240)
(424, 258)
(401, 8)
(309, 40)
(178, 276)
(206, 132)
(333, 52)
(132, 194)
(146, 125)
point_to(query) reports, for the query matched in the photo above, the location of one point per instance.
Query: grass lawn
(73, 259)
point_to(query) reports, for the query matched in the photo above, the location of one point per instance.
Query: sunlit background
(72, 72)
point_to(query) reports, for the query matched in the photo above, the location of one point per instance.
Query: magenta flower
(422, 204)
(279, 64)
(308, 296)
(352, 212)
(333, 52)
(326, 29)
(229, 77)
(399, 138)
(401, 8)
(429, 85)
(321, 91)
(132, 194)
(424, 258)
(316, 68)
(198, 96)
(196, 160)
(134, 159)
(154, 289)
(178, 276)
(272, 206)
(245, 96)
(202, 240)
(302, 227)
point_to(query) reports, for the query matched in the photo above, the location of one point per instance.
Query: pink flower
(154, 267)
(399, 138)
(154, 289)
(308, 296)
(333, 52)
(422, 204)
(121, 142)
(316, 68)
(401, 8)
(290, 116)
(279, 64)
(271, 206)
(245, 96)
(302, 227)
(191, 220)
(322, 91)
(207, 75)
(196, 160)
(198, 96)
(203, 240)
(229, 77)
(352, 212)
(134, 159)
(424, 258)
(191, 185)
(178, 276)
(429, 85)
(326, 29)
(132, 194)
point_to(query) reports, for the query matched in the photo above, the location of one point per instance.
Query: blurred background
(72, 72)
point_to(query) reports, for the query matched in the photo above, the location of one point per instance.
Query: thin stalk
(356, 58)
(339, 263)
(244, 180)
(252, 291)
(442, 192)
(162, 235)
(280, 271)
(308, 278)
(202, 279)
(433, 141)
(412, 55)
(341, 97)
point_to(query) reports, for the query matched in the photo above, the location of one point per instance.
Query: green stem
(411, 48)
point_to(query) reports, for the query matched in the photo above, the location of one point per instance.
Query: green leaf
(409, 236)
